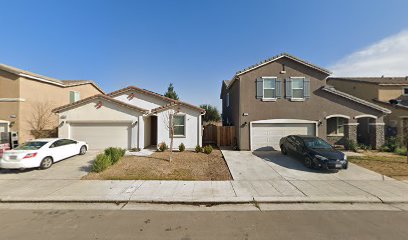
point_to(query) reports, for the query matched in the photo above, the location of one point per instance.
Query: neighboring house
(130, 118)
(26, 100)
(286, 95)
(380, 90)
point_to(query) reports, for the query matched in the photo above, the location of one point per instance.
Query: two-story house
(285, 95)
(26, 100)
(388, 92)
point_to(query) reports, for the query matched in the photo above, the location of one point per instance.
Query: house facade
(285, 95)
(131, 118)
(26, 97)
(388, 92)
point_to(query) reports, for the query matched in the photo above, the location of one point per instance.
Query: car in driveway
(41, 153)
(314, 151)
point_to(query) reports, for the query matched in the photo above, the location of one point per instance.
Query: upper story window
(297, 88)
(269, 88)
(179, 125)
(227, 100)
(74, 96)
(405, 91)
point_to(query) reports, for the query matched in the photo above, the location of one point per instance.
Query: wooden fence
(219, 135)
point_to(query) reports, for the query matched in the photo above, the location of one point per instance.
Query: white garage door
(102, 135)
(266, 136)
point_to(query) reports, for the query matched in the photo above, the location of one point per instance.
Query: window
(405, 91)
(269, 85)
(297, 88)
(227, 100)
(74, 96)
(335, 126)
(179, 125)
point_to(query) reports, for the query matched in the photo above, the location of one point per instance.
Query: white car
(41, 153)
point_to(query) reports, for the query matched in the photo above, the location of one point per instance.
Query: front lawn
(388, 164)
(185, 165)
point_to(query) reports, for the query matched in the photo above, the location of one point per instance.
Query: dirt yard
(388, 164)
(184, 166)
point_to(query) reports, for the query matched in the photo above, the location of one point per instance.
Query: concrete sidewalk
(267, 191)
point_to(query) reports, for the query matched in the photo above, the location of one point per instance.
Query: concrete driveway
(73, 168)
(272, 165)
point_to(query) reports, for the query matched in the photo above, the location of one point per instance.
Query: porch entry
(150, 131)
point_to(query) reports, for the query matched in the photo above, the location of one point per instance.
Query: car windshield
(316, 143)
(30, 146)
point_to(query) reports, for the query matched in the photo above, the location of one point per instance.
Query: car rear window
(31, 146)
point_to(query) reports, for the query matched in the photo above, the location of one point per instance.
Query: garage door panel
(100, 136)
(266, 136)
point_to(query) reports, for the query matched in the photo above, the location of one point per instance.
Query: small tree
(171, 93)
(211, 113)
(169, 123)
(42, 120)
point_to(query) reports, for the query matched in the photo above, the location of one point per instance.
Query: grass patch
(187, 165)
(388, 164)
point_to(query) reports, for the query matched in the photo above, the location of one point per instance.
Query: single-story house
(286, 95)
(130, 118)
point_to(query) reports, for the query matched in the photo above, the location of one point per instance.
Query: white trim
(12, 100)
(268, 99)
(185, 125)
(281, 121)
(351, 124)
(293, 99)
(337, 115)
(100, 121)
(40, 79)
(379, 124)
(263, 88)
(365, 116)
(403, 117)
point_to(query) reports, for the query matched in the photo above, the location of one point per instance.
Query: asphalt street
(184, 225)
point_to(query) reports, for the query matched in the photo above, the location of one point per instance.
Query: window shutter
(71, 97)
(306, 88)
(259, 88)
(288, 87)
(278, 88)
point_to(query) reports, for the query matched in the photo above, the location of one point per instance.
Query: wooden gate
(210, 134)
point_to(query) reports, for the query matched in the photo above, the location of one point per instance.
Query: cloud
(388, 57)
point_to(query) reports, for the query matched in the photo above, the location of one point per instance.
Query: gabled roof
(98, 96)
(274, 58)
(159, 96)
(332, 90)
(375, 80)
(54, 81)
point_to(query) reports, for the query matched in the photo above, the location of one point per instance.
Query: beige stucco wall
(358, 89)
(387, 93)
(39, 93)
(9, 88)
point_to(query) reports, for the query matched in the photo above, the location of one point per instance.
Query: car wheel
(308, 162)
(283, 150)
(46, 163)
(82, 151)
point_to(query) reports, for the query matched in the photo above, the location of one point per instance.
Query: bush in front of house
(182, 147)
(401, 151)
(101, 163)
(391, 144)
(208, 149)
(114, 153)
(350, 145)
(198, 149)
(364, 147)
(163, 147)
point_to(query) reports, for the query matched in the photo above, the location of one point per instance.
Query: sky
(197, 44)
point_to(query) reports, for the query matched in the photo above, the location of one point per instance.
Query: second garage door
(266, 136)
(102, 135)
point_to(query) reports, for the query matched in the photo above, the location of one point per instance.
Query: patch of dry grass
(388, 164)
(184, 166)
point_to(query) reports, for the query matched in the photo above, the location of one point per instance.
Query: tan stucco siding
(9, 88)
(387, 93)
(359, 89)
(38, 93)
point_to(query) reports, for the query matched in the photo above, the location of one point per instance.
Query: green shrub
(392, 143)
(364, 147)
(198, 149)
(384, 148)
(350, 145)
(401, 151)
(114, 153)
(182, 147)
(208, 149)
(162, 147)
(101, 163)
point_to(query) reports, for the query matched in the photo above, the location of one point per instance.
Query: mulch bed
(185, 165)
